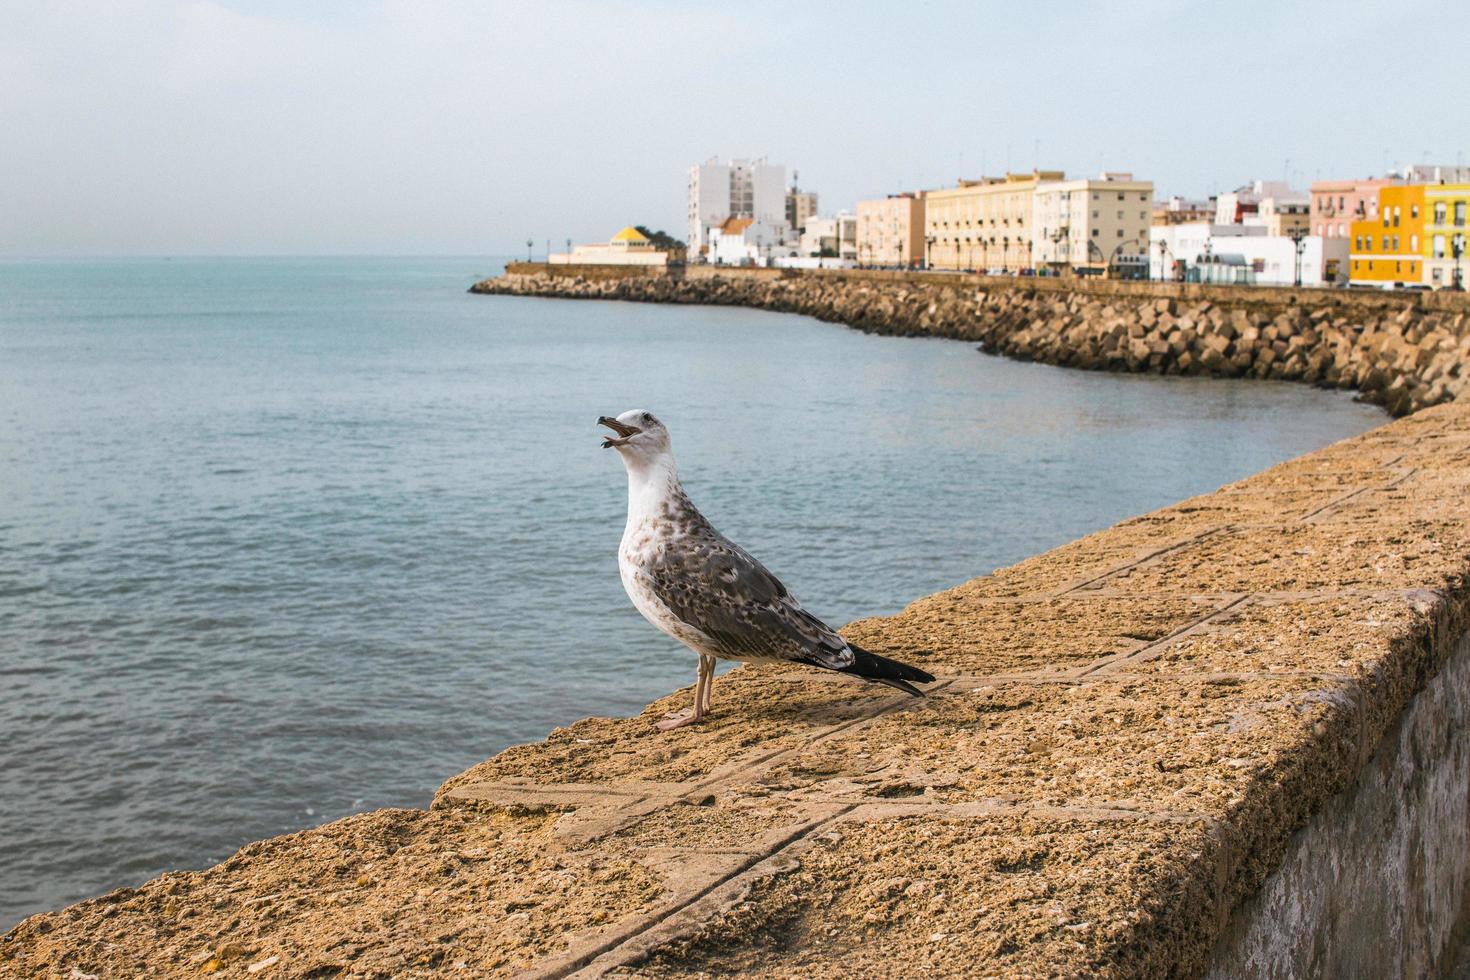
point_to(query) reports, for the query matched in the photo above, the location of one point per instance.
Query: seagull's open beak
(625, 432)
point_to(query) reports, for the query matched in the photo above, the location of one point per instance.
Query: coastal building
(1182, 210)
(1093, 224)
(753, 189)
(1272, 204)
(1446, 223)
(1336, 204)
(983, 224)
(744, 241)
(1244, 254)
(800, 205)
(890, 230)
(628, 247)
(835, 237)
(1431, 173)
(1389, 251)
(1283, 217)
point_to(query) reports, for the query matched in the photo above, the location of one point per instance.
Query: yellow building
(1101, 223)
(1389, 250)
(1282, 219)
(890, 230)
(628, 247)
(983, 224)
(1446, 223)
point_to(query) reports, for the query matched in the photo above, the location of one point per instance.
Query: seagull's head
(637, 435)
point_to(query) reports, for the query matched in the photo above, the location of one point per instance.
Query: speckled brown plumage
(706, 591)
(715, 586)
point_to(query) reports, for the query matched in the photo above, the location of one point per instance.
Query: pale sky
(223, 127)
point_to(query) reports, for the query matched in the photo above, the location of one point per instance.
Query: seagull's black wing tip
(871, 666)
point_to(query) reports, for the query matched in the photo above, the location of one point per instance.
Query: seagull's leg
(702, 684)
(706, 674)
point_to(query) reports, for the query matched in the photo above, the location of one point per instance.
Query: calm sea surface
(281, 540)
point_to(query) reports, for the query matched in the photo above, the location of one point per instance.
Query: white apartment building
(1244, 254)
(837, 237)
(741, 241)
(753, 189)
(1101, 222)
(1432, 173)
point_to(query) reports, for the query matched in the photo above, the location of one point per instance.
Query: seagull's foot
(678, 719)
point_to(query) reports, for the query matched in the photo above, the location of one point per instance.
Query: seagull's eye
(647, 418)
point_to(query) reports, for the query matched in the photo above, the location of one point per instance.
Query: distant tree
(661, 239)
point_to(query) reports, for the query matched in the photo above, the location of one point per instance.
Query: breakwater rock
(1402, 351)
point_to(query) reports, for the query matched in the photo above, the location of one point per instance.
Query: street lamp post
(1457, 249)
(529, 243)
(1093, 246)
(1163, 260)
(1299, 243)
(928, 248)
(1057, 237)
(1111, 257)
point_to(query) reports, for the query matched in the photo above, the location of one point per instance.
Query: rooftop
(630, 234)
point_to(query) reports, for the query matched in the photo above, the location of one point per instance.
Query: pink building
(1336, 204)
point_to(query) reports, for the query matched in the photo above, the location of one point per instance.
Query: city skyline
(396, 128)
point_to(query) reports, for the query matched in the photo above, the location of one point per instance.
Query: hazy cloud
(394, 127)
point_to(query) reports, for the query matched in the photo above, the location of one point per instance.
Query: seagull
(707, 592)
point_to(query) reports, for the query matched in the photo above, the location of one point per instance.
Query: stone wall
(1376, 883)
(1403, 351)
(584, 273)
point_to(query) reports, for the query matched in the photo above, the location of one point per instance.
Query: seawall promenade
(1230, 737)
(1404, 351)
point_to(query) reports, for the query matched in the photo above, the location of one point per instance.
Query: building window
(1413, 210)
(1094, 233)
(1396, 216)
(1459, 214)
(1438, 246)
(1120, 232)
(1395, 243)
(1413, 243)
(1439, 213)
(1385, 243)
